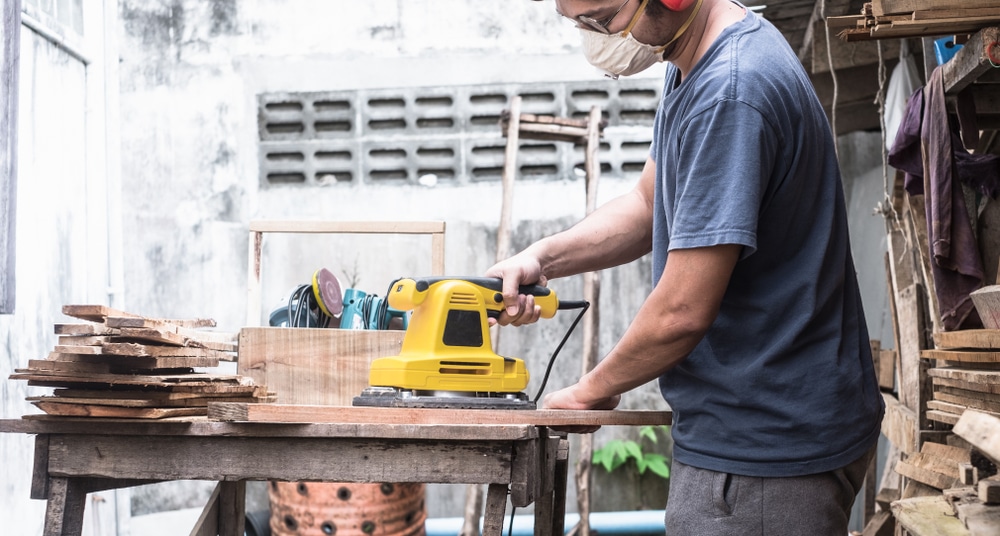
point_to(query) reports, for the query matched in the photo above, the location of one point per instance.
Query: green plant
(618, 452)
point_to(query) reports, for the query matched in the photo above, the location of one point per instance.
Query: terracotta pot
(328, 508)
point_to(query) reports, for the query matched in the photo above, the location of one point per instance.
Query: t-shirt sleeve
(725, 158)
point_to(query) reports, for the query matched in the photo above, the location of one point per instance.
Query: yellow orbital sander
(447, 359)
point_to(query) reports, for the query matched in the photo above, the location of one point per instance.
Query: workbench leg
(40, 469)
(545, 497)
(232, 508)
(559, 491)
(496, 505)
(64, 511)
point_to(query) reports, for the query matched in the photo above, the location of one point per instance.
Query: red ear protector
(677, 5)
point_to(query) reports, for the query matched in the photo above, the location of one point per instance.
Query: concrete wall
(190, 75)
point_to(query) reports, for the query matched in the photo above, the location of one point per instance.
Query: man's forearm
(618, 232)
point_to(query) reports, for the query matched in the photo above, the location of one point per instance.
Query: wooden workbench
(76, 456)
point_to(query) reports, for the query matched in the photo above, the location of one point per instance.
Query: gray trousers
(707, 503)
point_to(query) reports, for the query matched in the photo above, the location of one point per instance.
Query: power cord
(583, 306)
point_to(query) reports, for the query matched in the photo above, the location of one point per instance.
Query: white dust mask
(621, 54)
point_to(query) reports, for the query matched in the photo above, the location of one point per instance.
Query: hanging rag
(929, 149)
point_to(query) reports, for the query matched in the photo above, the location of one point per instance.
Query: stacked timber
(894, 19)
(118, 364)
(966, 375)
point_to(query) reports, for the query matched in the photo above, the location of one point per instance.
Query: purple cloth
(929, 149)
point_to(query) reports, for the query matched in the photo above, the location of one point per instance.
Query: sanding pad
(326, 289)
(390, 397)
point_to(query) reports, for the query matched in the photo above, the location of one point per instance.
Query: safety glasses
(597, 25)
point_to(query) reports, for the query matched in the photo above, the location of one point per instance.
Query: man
(754, 326)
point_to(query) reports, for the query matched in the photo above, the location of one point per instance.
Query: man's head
(624, 37)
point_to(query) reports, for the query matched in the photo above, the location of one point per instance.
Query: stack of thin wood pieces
(894, 19)
(966, 375)
(122, 365)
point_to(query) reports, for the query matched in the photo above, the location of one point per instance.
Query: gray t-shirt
(783, 382)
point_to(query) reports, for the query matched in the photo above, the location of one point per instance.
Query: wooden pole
(591, 323)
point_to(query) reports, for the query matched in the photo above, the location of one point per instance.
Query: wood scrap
(982, 431)
(936, 465)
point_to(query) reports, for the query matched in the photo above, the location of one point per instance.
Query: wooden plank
(982, 431)
(910, 307)
(151, 380)
(957, 13)
(223, 458)
(225, 340)
(899, 425)
(942, 417)
(162, 397)
(93, 410)
(201, 427)
(92, 312)
(924, 475)
(984, 339)
(940, 451)
(150, 350)
(84, 329)
(967, 356)
(82, 350)
(347, 227)
(959, 396)
(927, 516)
(311, 365)
(158, 335)
(983, 377)
(81, 340)
(289, 413)
(138, 401)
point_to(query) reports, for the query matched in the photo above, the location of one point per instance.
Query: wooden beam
(971, 61)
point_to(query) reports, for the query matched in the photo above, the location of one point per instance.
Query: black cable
(510, 526)
(583, 306)
(295, 305)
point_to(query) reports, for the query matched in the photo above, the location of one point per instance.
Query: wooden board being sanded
(297, 413)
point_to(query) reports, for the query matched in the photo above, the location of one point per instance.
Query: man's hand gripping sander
(447, 359)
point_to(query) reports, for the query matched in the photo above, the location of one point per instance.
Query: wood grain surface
(239, 412)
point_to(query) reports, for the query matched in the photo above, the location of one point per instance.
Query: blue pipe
(635, 523)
